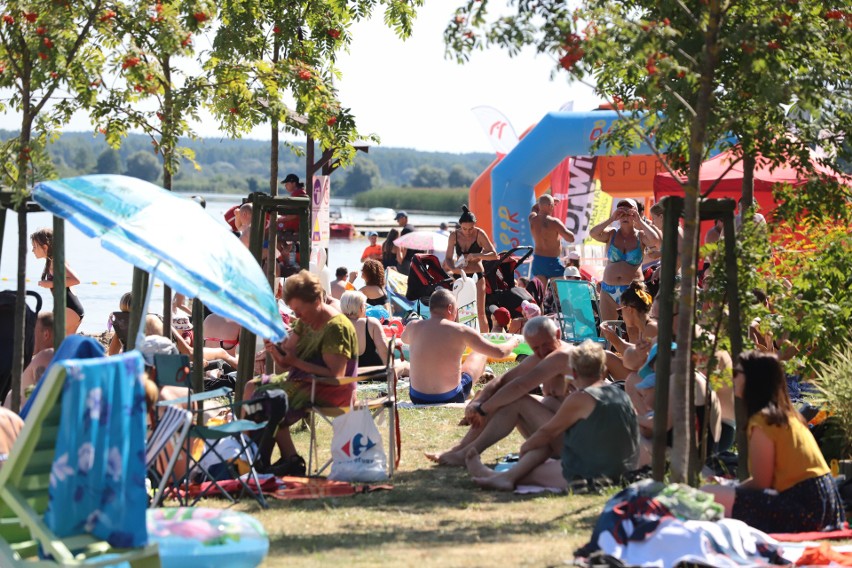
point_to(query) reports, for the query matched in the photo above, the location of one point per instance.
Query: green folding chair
(577, 312)
(24, 483)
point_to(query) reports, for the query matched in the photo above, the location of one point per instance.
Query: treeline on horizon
(242, 165)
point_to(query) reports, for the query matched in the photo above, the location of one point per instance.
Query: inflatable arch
(559, 134)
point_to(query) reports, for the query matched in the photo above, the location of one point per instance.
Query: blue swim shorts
(548, 266)
(458, 394)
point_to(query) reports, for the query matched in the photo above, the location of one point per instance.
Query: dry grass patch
(434, 516)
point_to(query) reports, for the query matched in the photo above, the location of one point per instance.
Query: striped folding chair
(163, 448)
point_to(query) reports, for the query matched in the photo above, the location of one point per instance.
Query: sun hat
(530, 309)
(629, 202)
(180, 321)
(571, 272)
(400, 215)
(155, 345)
(502, 317)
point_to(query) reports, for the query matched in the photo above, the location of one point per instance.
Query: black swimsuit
(380, 301)
(71, 300)
(474, 248)
(370, 357)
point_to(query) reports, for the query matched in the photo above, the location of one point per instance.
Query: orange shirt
(372, 251)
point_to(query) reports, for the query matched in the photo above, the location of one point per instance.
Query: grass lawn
(434, 516)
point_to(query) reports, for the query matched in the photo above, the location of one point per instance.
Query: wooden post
(137, 293)
(198, 351)
(59, 278)
(735, 333)
(672, 208)
(245, 365)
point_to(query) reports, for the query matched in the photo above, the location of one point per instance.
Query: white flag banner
(498, 129)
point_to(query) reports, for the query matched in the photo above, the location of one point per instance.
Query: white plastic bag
(357, 452)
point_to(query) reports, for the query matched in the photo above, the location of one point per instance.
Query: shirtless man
(42, 354)
(221, 332)
(437, 374)
(505, 403)
(546, 232)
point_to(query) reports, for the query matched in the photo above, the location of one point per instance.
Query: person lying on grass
(505, 404)
(595, 432)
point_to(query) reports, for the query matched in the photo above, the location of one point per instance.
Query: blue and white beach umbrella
(172, 238)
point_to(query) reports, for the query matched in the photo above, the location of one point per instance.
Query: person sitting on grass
(505, 404)
(790, 488)
(595, 432)
(437, 344)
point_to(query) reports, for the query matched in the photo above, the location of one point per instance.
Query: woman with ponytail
(42, 241)
(470, 243)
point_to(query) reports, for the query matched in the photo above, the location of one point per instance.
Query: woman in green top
(601, 435)
(790, 488)
(321, 343)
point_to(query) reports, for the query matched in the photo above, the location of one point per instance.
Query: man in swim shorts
(436, 346)
(546, 231)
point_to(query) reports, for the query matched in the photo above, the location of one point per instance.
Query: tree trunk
(168, 154)
(691, 228)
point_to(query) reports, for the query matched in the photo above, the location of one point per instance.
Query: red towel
(845, 532)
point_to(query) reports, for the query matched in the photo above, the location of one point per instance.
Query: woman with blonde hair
(372, 344)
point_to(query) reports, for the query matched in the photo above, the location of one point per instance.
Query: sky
(412, 96)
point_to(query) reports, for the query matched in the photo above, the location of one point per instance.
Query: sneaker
(487, 374)
(294, 466)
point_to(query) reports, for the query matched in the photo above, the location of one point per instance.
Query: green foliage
(422, 199)
(109, 162)
(834, 380)
(363, 175)
(268, 54)
(143, 165)
(429, 176)
(460, 176)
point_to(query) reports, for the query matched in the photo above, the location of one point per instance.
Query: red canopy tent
(730, 185)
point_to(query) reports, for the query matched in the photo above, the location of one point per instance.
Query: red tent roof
(731, 182)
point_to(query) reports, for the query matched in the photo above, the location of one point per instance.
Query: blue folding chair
(577, 312)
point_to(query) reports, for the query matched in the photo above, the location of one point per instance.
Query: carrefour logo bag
(356, 448)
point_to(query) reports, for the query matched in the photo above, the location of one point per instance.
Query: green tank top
(605, 443)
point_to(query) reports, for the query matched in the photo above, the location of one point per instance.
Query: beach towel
(97, 482)
(843, 533)
(287, 487)
(73, 347)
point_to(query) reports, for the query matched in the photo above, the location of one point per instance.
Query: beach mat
(845, 532)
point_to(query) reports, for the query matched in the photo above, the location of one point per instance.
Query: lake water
(104, 277)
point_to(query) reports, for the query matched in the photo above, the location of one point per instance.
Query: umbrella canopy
(172, 238)
(423, 240)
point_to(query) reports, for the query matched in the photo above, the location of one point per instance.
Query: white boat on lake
(380, 214)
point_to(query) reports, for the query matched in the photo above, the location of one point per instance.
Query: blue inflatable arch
(557, 135)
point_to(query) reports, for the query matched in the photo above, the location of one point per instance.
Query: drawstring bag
(357, 451)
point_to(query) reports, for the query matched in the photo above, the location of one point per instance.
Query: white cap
(571, 272)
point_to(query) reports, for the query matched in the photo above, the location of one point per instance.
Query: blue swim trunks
(548, 266)
(458, 394)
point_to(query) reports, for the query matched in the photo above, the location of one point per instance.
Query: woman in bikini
(472, 243)
(372, 344)
(373, 274)
(624, 253)
(42, 241)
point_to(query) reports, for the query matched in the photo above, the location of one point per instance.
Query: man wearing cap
(293, 187)
(372, 250)
(546, 233)
(404, 255)
(505, 403)
(502, 318)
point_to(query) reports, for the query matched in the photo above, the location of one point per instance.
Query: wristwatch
(478, 409)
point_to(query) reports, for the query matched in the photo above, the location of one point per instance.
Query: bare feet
(452, 458)
(496, 482)
(474, 464)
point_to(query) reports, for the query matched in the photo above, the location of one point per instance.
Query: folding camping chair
(164, 446)
(377, 407)
(35, 478)
(577, 312)
(173, 370)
